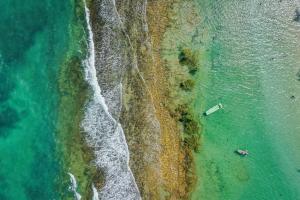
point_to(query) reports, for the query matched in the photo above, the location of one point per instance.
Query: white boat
(213, 109)
(242, 152)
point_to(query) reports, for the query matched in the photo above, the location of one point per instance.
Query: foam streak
(74, 186)
(105, 135)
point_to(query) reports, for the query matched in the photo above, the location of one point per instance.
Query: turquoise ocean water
(253, 58)
(33, 38)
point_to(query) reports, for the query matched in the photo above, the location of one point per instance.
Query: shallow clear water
(32, 42)
(253, 60)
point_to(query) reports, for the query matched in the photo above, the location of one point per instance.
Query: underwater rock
(297, 15)
(298, 75)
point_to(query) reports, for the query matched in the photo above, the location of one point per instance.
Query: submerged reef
(74, 92)
(140, 147)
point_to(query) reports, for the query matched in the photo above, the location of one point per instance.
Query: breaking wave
(105, 136)
(95, 193)
(74, 186)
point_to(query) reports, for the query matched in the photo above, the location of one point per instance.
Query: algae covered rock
(189, 58)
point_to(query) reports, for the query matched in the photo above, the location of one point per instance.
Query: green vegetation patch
(190, 143)
(187, 85)
(191, 177)
(188, 58)
(191, 127)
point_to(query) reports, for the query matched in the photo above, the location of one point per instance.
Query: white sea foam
(90, 70)
(74, 186)
(105, 135)
(95, 193)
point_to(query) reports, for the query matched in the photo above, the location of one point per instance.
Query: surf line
(74, 186)
(106, 136)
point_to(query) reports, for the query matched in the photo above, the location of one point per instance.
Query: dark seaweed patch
(297, 15)
(187, 85)
(8, 118)
(188, 58)
(19, 31)
(6, 86)
(191, 127)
